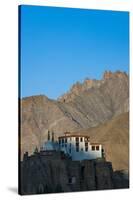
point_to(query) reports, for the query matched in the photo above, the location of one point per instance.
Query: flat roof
(95, 144)
(74, 135)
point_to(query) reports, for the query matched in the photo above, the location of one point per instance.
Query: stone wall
(54, 173)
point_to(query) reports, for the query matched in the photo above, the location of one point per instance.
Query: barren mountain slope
(114, 135)
(40, 114)
(93, 103)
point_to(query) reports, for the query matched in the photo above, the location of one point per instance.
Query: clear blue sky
(60, 46)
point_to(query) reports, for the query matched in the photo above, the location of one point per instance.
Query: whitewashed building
(75, 145)
(78, 146)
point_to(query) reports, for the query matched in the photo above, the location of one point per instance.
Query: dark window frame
(86, 144)
(97, 148)
(86, 139)
(77, 149)
(72, 180)
(77, 144)
(93, 148)
(86, 148)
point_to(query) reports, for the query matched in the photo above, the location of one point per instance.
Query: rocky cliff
(50, 174)
(86, 105)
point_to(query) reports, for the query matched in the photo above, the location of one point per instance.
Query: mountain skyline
(62, 45)
(81, 82)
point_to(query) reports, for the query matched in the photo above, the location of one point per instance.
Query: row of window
(86, 139)
(77, 145)
(86, 144)
(77, 149)
(64, 140)
(93, 148)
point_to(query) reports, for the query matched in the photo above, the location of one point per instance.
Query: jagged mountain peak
(88, 84)
(117, 74)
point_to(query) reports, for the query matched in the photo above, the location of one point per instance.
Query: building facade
(79, 147)
(75, 145)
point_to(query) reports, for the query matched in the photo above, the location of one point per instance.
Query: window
(93, 148)
(69, 150)
(81, 139)
(77, 139)
(82, 172)
(77, 144)
(59, 141)
(72, 180)
(86, 144)
(40, 189)
(65, 145)
(97, 148)
(86, 148)
(77, 149)
(62, 140)
(103, 153)
(86, 139)
(62, 145)
(65, 140)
